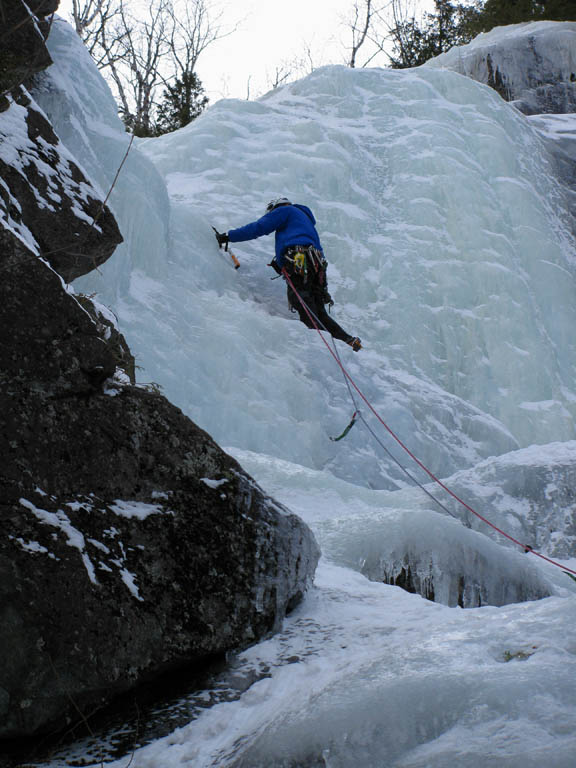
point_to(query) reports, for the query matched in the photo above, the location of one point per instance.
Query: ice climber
(299, 252)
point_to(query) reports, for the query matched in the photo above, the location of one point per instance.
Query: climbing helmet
(276, 202)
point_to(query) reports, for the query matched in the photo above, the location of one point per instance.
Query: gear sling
(306, 266)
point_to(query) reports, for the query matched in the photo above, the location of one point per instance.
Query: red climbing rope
(524, 547)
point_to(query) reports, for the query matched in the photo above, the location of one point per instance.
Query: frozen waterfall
(451, 256)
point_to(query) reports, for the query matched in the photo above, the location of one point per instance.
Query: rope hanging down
(399, 464)
(369, 429)
(348, 377)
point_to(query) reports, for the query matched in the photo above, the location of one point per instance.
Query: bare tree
(377, 28)
(134, 55)
(363, 18)
(307, 59)
(90, 16)
(281, 74)
(190, 31)
(144, 47)
(291, 69)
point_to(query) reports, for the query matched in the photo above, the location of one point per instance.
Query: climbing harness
(308, 265)
(352, 384)
(304, 259)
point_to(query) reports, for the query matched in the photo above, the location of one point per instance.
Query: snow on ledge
(213, 483)
(137, 509)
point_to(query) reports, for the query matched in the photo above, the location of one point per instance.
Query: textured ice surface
(531, 494)
(435, 230)
(84, 115)
(449, 255)
(367, 675)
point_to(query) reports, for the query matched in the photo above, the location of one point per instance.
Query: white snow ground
(451, 256)
(365, 674)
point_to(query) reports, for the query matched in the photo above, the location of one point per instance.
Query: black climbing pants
(313, 294)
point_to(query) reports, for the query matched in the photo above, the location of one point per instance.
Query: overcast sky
(272, 34)
(269, 34)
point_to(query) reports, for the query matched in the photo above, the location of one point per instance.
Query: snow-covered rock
(532, 64)
(45, 199)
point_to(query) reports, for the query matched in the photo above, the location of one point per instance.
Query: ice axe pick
(228, 251)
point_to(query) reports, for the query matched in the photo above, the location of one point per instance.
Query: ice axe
(232, 255)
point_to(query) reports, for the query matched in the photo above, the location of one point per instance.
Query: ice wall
(83, 112)
(449, 255)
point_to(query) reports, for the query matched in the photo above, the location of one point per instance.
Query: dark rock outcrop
(131, 543)
(23, 53)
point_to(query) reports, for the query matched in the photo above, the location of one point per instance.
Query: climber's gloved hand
(222, 238)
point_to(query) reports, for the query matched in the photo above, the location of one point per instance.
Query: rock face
(44, 196)
(131, 543)
(23, 50)
(531, 64)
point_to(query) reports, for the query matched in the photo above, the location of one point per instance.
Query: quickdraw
(348, 428)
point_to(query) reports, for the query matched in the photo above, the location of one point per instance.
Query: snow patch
(74, 537)
(137, 509)
(213, 483)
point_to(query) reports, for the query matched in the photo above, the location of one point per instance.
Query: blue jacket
(293, 224)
